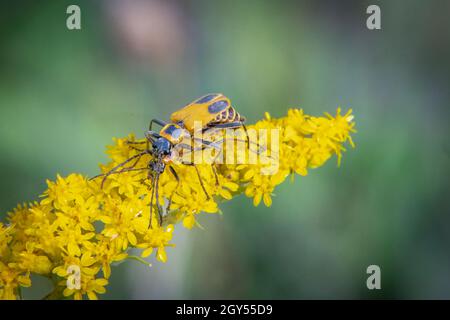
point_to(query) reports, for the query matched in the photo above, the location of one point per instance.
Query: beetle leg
(152, 178)
(120, 171)
(246, 134)
(135, 142)
(157, 199)
(151, 136)
(137, 149)
(201, 183)
(214, 144)
(137, 157)
(199, 178)
(174, 173)
(215, 172)
(229, 125)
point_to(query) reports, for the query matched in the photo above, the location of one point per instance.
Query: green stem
(139, 259)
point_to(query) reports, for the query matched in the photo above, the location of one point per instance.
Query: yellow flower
(105, 252)
(156, 238)
(5, 238)
(10, 280)
(31, 262)
(65, 192)
(261, 187)
(226, 188)
(89, 286)
(92, 225)
(86, 263)
(192, 201)
(126, 219)
(73, 239)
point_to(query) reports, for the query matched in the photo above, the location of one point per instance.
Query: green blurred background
(64, 94)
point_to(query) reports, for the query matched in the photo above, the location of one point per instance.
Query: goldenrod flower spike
(79, 229)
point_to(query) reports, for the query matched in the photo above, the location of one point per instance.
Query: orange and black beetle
(212, 110)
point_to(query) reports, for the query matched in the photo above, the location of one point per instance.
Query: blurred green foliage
(64, 94)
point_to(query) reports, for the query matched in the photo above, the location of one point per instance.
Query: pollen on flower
(93, 224)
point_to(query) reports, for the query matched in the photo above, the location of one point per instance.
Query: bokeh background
(64, 94)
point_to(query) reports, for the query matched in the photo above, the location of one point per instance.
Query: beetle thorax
(162, 146)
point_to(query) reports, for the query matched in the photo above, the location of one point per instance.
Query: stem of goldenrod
(139, 259)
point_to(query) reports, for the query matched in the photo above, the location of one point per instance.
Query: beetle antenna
(138, 156)
(120, 171)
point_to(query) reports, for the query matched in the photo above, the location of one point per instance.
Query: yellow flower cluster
(82, 223)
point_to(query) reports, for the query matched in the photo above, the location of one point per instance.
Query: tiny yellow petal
(225, 194)
(146, 252)
(249, 174)
(68, 292)
(106, 270)
(161, 255)
(267, 199)
(132, 238)
(101, 282)
(257, 199)
(73, 249)
(92, 296)
(189, 221)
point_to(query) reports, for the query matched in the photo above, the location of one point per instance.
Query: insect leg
(209, 143)
(157, 121)
(120, 171)
(201, 182)
(199, 178)
(229, 125)
(213, 166)
(151, 136)
(174, 173)
(214, 144)
(189, 147)
(246, 133)
(152, 178)
(184, 146)
(137, 149)
(232, 125)
(215, 172)
(132, 144)
(135, 163)
(157, 199)
(121, 165)
(130, 167)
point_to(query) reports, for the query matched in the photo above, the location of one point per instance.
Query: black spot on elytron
(218, 106)
(173, 131)
(207, 98)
